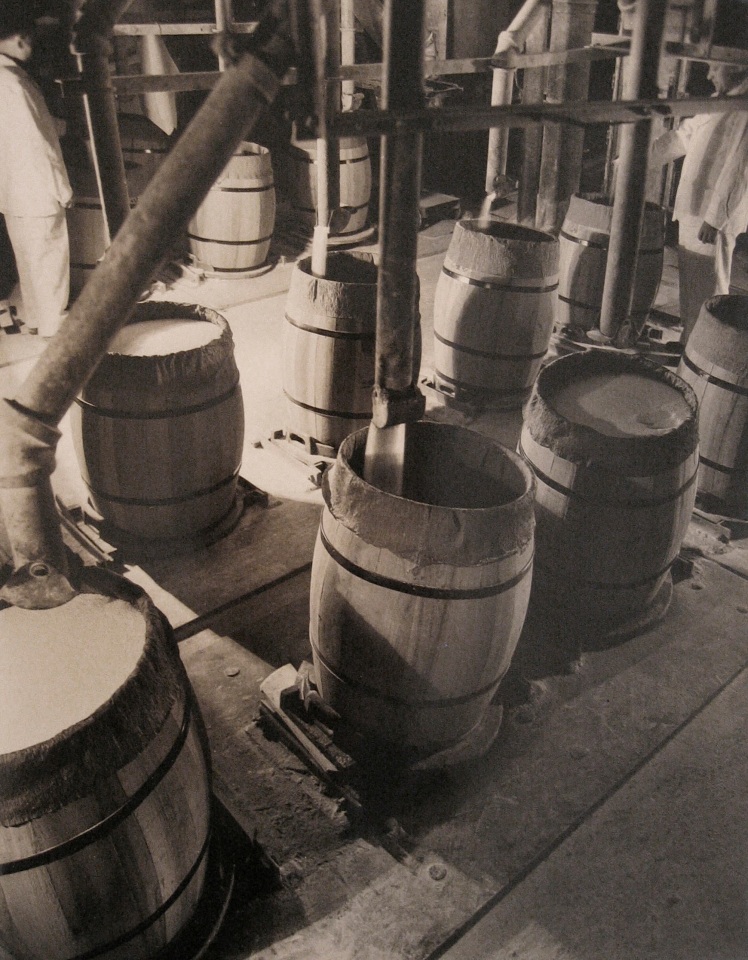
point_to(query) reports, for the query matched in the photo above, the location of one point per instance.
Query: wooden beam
(177, 29)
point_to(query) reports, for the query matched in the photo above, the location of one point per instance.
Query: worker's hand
(707, 233)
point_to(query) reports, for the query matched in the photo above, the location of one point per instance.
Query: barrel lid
(59, 666)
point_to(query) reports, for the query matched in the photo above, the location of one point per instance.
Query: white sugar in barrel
(613, 441)
(104, 786)
(159, 427)
(627, 405)
(158, 338)
(71, 658)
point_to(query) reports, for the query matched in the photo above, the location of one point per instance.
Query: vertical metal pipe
(533, 84)
(640, 82)
(513, 38)
(400, 185)
(572, 22)
(347, 49)
(101, 117)
(332, 65)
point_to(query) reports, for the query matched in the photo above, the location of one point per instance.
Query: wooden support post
(533, 84)
(631, 180)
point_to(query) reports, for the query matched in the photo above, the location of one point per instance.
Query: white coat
(33, 179)
(713, 189)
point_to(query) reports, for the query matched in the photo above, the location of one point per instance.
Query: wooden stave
(355, 182)
(594, 489)
(329, 330)
(355, 581)
(714, 365)
(160, 504)
(494, 371)
(641, 538)
(585, 242)
(243, 194)
(504, 278)
(148, 814)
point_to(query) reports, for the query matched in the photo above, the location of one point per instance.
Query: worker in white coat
(34, 186)
(711, 203)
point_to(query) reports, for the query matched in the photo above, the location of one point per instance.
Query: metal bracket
(390, 407)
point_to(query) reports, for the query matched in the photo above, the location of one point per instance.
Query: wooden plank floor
(448, 864)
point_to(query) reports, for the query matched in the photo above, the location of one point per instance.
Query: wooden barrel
(583, 255)
(328, 348)
(417, 602)
(715, 365)
(355, 183)
(613, 441)
(85, 219)
(104, 781)
(231, 231)
(159, 427)
(493, 311)
(144, 146)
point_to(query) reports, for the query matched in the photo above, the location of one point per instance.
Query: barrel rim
(459, 535)
(716, 309)
(579, 443)
(337, 257)
(505, 230)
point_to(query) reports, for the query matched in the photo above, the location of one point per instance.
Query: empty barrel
(231, 230)
(105, 790)
(583, 257)
(159, 427)
(613, 442)
(493, 311)
(417, 601)
(715, 365)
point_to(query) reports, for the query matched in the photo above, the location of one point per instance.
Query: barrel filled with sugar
(417, 601)
(355, 183)
(231, 231)
(613, 441)
(328, 347)
(583, 256)
(493, 311)
(159, 427)
(715, 365)
(104, 780)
